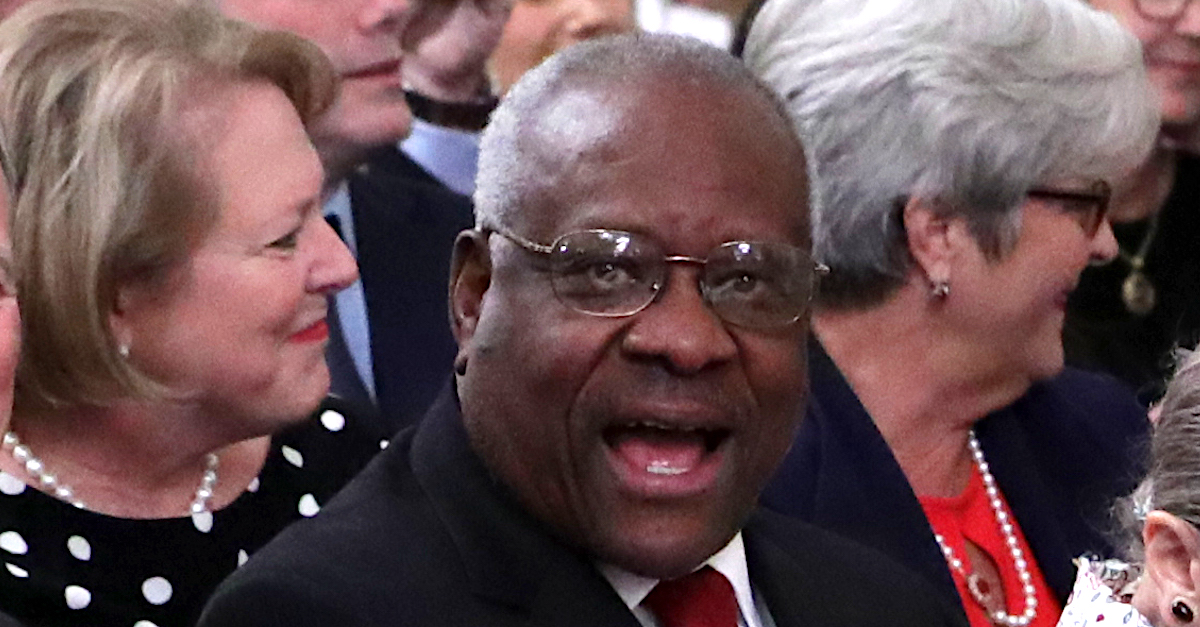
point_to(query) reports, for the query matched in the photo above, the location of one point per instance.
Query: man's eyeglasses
(1089, 206)
(1161, 10)
(616, 273)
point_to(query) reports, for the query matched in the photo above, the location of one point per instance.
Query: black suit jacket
(426, 536)
(1060, 454)
(405, 223)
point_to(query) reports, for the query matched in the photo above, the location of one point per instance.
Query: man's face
(362, 39)
(644, 439)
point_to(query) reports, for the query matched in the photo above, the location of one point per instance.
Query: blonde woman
(175, 266)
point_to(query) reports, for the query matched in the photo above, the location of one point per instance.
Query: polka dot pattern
(79, 548)
(157, 590)
(147, 573)
(12, 542)
(293, 456)
(11, 485)
(333, 420)
(203, 521)
(77, 597)
(308, 506)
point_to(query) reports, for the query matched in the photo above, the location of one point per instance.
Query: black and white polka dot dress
(67, 566)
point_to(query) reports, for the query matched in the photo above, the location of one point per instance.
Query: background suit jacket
(426, 536)
(1060, 454)
(405, 223)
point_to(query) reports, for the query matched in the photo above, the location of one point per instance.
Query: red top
(969, 515)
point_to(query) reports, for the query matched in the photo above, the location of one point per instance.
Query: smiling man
(631, 312)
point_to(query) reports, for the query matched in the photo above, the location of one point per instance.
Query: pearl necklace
(999, 617)
(47, 480)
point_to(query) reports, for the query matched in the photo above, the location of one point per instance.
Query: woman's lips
(316, 332)
(385, 69)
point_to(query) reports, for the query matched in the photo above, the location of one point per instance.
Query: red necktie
(702, 599)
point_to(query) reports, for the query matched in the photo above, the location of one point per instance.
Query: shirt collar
(729, 561)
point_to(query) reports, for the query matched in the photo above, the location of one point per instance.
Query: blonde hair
(103, 169)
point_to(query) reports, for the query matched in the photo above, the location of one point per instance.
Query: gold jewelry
(1137, 291)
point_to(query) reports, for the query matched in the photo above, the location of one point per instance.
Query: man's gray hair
(964, 103)
(575, 101)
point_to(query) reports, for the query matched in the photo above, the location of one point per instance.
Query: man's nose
(679, 328)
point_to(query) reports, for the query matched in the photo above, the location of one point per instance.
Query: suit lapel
(785, 585)
(1008, 455)
(510, 559)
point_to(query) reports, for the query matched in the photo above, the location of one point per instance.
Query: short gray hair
(517, 155)
(963, 103)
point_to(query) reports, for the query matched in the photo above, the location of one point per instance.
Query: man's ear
(470, 277)
(1172, 560)
(930, 239)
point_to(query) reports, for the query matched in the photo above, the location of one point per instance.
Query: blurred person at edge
(616, 410)
(398, 210)
(539, 28)
(1160, 584)
(10, 335)
(960, 153)
(174, 266)
(1127, 315)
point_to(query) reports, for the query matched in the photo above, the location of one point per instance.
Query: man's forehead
(575, 122)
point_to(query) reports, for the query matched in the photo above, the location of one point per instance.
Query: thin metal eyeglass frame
(818, 269)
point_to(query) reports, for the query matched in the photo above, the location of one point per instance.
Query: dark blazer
(405, 223)
(425, 536)
(1060, 454)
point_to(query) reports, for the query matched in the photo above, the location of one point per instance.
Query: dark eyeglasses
(616, 273)
(1089, 206)
(1161, 10)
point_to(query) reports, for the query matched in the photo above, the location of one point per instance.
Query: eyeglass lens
(614, 273)
(1089, 208)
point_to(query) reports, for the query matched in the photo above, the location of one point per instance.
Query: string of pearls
(999, 617)
(49, 481)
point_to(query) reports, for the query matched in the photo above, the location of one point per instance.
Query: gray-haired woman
(960, 153)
